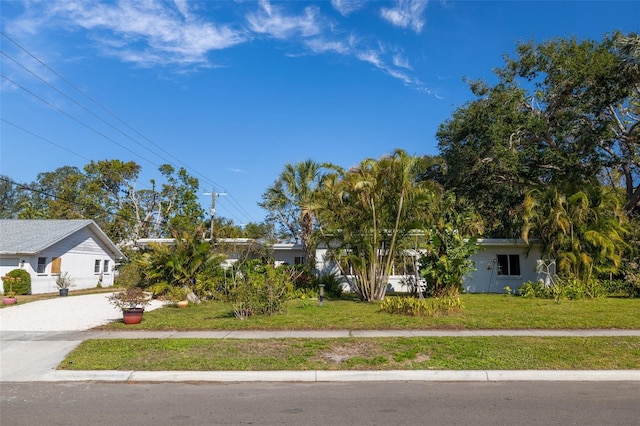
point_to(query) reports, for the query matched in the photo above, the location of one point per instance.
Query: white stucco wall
(286, 253)
(483, 279)
(486, 278)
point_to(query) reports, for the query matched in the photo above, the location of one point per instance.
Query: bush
(260, 290)
(578, 289)
(532, 289)
(621, 288)
(332, 285)
(21, 286)
(569, 288)
(430, 307)
(130, 275)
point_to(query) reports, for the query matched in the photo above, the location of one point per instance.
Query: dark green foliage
(564, 110)
(190, 264)
(259, 289)
(332, 285)
(130, 274)
(622, 288)
(21, 286)
(301, 275)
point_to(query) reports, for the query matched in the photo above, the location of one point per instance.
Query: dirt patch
(340, 354)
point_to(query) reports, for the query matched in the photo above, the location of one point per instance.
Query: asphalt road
(395, 403)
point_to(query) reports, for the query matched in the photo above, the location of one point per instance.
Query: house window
(42, 265)
(298, 260)
(508, 264)
(105, 268)
(56, 265)
(96, 266)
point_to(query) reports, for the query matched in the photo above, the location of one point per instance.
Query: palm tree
(292, 201)
(369, 210)
(583, 231)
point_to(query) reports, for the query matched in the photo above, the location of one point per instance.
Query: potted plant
(63, 282)
(132, 302)
(9, 297)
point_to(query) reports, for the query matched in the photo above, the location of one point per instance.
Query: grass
(424, 353)
(481, 311)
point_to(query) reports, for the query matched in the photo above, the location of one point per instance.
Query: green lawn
(450, 353)
(481, 311)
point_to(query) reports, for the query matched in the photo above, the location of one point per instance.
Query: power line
(44, 139)
(211, 182)
(80, 105)
(75, 119)
(238, 207)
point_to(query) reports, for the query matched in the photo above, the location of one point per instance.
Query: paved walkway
(33, 354)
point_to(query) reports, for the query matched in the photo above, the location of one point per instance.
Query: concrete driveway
(36, 336)
(72, 313)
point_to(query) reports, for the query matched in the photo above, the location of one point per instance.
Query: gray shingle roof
(33, 236)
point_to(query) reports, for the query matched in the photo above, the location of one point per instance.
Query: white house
(505, 263)
(47, 248)
(499, 263)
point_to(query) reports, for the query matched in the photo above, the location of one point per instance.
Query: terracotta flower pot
(183, 304)
(132, 316)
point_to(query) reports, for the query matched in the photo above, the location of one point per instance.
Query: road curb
(316, 376)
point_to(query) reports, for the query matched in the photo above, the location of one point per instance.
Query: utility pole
(214, 195)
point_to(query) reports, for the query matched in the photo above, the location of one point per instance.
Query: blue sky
(234, 90)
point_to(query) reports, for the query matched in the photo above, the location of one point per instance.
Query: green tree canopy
(562, 111)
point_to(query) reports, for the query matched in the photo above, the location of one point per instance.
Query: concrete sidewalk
(34, 355)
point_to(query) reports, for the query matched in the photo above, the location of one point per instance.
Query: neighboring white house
(236, 248)
(47, 248)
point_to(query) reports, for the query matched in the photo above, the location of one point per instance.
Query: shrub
(18, 286)
(570, 288)
(332, 284)
(582, 289)
(621, 288)
(430, 307)
(130, 298)
(130, 275)
(260, 290)
(532, 289)
(301, 275)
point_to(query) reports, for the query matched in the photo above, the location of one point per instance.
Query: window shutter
(56, 264)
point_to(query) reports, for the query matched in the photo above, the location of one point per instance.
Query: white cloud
(272, 21)
(175, 32)
(406, 14)
(401, 62)
(371, 57)
(346, 7)
(144, 32)
(321, 45)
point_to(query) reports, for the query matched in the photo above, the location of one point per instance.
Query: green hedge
(23, 286)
